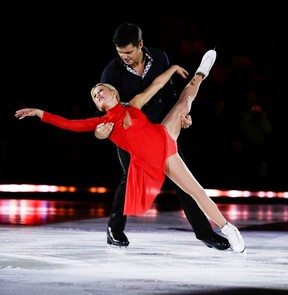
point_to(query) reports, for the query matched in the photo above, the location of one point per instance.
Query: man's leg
(117, 221)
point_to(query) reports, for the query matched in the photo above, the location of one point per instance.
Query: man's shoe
(206, 63)
(116, 239)
(234, 237)
(217, 241)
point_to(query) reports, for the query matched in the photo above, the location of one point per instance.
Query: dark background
(52, 55)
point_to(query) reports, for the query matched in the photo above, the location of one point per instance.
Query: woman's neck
(111, 105)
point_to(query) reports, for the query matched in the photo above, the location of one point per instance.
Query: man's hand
(186, 121)
(103, 130)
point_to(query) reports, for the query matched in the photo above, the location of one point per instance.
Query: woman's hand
(21, 114)
(181, 71)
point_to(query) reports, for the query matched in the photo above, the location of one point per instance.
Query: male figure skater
(133, 70)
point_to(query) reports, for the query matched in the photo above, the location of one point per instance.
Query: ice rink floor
(50, 247)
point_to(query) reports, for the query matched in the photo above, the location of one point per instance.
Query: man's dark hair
(127, 33)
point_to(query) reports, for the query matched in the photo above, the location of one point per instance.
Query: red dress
(148, 144)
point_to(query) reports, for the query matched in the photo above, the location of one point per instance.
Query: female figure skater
(152, 147)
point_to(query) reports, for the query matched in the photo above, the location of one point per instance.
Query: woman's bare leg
(178, 172)
(172, 121)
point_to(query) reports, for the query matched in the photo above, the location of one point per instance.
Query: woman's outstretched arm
(83, 125)
(28, 112)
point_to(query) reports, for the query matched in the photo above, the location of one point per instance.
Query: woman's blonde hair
(109, 86)
(112, 88)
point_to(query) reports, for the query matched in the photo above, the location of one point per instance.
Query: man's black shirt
(129, 84)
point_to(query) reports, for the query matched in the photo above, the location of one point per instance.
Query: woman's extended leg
(172, 121)
(179, 173)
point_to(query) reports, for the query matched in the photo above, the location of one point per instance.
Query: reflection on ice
(164, 257)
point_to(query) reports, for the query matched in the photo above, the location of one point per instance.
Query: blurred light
(102, 190)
